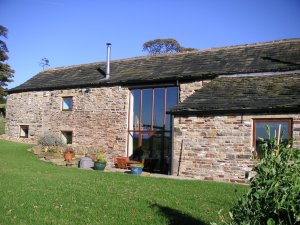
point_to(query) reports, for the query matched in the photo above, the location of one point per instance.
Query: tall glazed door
(150, 127)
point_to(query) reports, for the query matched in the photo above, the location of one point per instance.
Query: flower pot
(136, 170)
(99, 166)
(68, 156)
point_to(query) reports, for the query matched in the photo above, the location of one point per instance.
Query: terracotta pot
(68, 156)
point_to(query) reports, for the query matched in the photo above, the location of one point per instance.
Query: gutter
(186, 112)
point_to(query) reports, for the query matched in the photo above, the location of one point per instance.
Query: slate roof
(283, 55)
(229, 95)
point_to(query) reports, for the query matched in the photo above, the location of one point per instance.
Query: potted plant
(136, 169)
(100, 162)
(69, 154)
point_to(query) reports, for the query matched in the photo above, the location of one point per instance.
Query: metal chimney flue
(108, 61)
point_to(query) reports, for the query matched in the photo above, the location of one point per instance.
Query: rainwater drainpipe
(108, 61)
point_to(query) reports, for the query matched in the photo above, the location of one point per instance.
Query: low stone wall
(218, 148)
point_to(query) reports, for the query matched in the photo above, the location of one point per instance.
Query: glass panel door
(150, 127)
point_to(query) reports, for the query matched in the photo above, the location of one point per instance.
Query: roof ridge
(181, 53)
(71, 66)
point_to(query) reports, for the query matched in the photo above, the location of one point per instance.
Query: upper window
(67, 103)
(282, 127)
(150, 108)
(24, 131)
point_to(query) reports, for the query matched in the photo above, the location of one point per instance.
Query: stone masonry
(99, 116)
(219, 147)
(187, 89)
(214, 147)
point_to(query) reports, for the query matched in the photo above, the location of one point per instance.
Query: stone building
(196, 114)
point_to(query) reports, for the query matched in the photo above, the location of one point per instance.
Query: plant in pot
(100, 162)
(69, 154)
(136, 169)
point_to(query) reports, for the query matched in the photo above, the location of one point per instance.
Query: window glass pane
(172, 95)
(134, 140)
(152, 148)
(261, 133)
(167, 152)
(137, 153)
(67, 103)
(172, 100)
(67, 137)
(24, 131)
(146, 109)
(168, 122)
(136, 108)
(158, 117)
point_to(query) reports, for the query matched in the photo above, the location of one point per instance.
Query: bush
(50, 139)
(274, 195)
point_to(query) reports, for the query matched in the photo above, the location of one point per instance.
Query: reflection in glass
(261, 133)
(274, 129)
(67, 103)
(136, 108)
(134, 143)
(146, 108)
(158, 117)
(172, 95)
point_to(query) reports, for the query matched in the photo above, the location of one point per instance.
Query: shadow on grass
(176, 217)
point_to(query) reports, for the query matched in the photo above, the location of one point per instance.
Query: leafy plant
(101, 157)
(69, 151)
(137, 165)
(274, 195)
(52, 151)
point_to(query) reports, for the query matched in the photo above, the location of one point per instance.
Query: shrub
(50, 139)
(274, 195)
(101, 157)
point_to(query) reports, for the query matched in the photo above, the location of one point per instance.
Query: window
(24, 131)
(67, 103)
(150, 126)
(67, 137)
(259, 130)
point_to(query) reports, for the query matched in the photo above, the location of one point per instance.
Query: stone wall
(187, 89)
(214, 148)
(99, 116)
(220, 147)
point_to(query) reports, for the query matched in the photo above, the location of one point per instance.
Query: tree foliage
(163, 46)
(44, 63)
(274, 195)
(6, 73)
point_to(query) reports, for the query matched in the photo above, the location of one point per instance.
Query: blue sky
(70, 32)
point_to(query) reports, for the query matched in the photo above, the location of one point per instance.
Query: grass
(2, 125)
(36, 192)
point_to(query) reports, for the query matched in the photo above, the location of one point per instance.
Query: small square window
(67, 137)
(24, 131)
(67, 103)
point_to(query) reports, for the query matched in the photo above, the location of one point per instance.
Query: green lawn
(35, 192)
